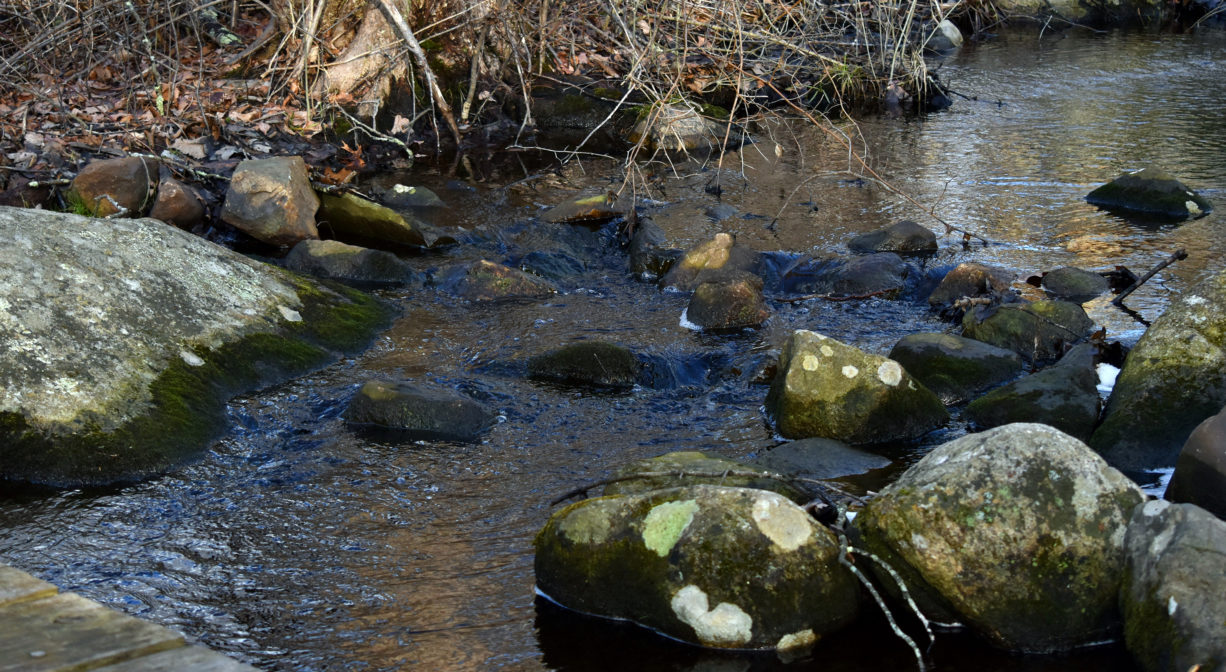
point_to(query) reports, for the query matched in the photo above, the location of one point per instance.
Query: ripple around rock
(418, 411)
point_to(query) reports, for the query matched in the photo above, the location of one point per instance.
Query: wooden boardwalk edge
(43, 630)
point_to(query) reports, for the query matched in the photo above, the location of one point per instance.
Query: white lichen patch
(850, 371)
(290, 314)
(725, 625)
(919, 542)
(1171, 606)
(1192, 208)
(827, 350)
(797, 640)
(784, 523)
(890, 373)
(665, 524)
(190, 358)
(809, 362)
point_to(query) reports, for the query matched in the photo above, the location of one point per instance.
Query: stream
(296, 544)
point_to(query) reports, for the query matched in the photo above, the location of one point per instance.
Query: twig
(1177, 255)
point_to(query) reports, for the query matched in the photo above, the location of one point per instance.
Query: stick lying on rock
(1177, 255)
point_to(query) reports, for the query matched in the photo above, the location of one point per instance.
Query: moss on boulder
(1038, 330)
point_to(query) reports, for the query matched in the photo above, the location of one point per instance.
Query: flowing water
(296, 544)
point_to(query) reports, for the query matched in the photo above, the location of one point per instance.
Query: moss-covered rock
(720, 258)
(829, 389)
(732, 304)
(1172, 380)
(1017, 532)
(587, 208)
(418, 411)
(1039, 331)
(352, 218)
(1064, 396)
(954, 367)
(347, 263)
(489, 281)
(588, 364)
(684, 468)
(905, 237)
(971, 280)
(121, 341)
(715, 566)
(1150, 191)
(680, 127)
(1073, 284)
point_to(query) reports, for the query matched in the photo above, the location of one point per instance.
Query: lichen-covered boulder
(1150, 191)
(905, 237)
(418, 411)
(1174, 614)
(1039, 331)
(690, 467)
(352, 218)
(954, 367)
(715, 566)
(717, 259)
(272, 200)
(1074, 284)
(178, 204)
(732, 304)
(347, 263)
(120, 341)
(588, 364)
(116, 187)
(1017, 532)
(1173, 379)
(971, 280)
(1200, 471)
(829, 389)
(489, 281)
(1064, 396)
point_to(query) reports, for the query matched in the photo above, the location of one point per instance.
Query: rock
(1174, 615)
(882, 274)
(124, 186)
(1064, 396)
(551, 265)
(271, 200)
(1018, 532)
(728, 305)
(598, 208)
(1038, 330)
(589, 364)
(686, 468)
(487, 281)
(819, 458)
(353, 218)
(1074, 284)
(410, 198)
(648, 256)
(122, 340)
(1200, 471)
(905, 237)
(678, 128)
(716, 259)
(945, 37)
(347, 263)
(1150, 191)
(827, 389)
(970, 280)
(419, 412)
(1173, 379)
(953, 367)
(715, 566)
(178, 205)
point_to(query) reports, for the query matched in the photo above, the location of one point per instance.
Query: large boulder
(1174, 614)
(1039, 331)
(1200, 471)
(905, 237)
(1150, 191)
(1172, 380)
(715, 566)
(954, 367)
(690, 467)
(588, 364)
(717, 259)
(115, 187)
(829, 389)
(418, 411)
(728, 305)
(120, 341)
(347, 263)
(272, 200)
(1017, 532)
(1064, 396)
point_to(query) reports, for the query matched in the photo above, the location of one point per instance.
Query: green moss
(714, 111)
(76, 204)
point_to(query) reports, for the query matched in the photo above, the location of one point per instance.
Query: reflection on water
(298, 545)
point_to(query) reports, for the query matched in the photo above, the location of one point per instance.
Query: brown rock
(116, 186)
(734, 304)
(1200, 472)
(272, 200)
(178, 204)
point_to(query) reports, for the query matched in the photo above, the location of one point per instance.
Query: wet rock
(882, 274)
(110, 187)
(1017, 532)
(408, 197)
(1174, 615)
(552, 265)
(678, 128)
(971, 280)
(598, 208)
(1150, 191)
(827, 389)
(353, 218)
(1172, 380)
(132, 336)
(905, 237)
(178, 205)
(272, 200)
(589, 364)
(728, 305)
(953, 367)
(686, 468)
(488, 281)
(819, 458)
(1074, 284)
(648, 255)
(1064, 396)
(347, 263)
(1039, 331)
(715, 566)
(417, 411)
(717, 259)
(1200, 471)
(721, 211)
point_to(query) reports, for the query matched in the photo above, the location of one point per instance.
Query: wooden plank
(184, 659)
(17, 586)
(68, 633)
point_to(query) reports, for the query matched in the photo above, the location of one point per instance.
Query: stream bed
(296, 544)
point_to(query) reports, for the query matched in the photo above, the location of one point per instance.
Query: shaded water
(296, 544)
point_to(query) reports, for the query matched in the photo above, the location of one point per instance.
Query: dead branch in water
(1177, 255)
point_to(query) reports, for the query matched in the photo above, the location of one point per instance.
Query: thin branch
(1177, 255)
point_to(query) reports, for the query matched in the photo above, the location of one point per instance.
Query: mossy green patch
(665, 524)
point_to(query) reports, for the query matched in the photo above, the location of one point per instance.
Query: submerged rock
(1017, 532)
(905, 237)
(588, 363)
(685, 468)
(679, 128)
(1064, 396)
(827, 389)
(598, 208)
(714, 566)
(1039, 331)
(120, 341)
(819, 459)
(1172, 380)
(1200, 471)
(648, 255)
(1174, 615)
(488, 281)
(881, 274)
(718, 259)
(116, 187)
(419, 412)
(728, 305)
(953, 367)
(1150, 191)
(272, 200)
(1074, 284)
(347, 263)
